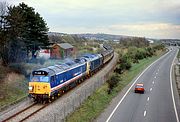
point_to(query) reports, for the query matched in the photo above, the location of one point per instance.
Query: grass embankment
(99, 100)
(178, 56)
(13, 88)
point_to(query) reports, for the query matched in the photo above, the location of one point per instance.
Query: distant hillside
(89, 36)
(55, 37)
(101, 36)
(104, 37)
(55, 34)
(98, 36)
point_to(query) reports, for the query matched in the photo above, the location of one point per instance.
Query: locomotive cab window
(44, 79)
(40, 79)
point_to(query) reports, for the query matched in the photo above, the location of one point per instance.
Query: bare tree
(3, 13)
(3, 34)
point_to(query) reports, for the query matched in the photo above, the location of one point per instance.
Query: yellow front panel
(88, 68)
(39, 88)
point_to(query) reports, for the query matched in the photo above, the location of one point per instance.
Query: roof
(53, 70)
(139, 84)
(91, 56)
(59, 68)
(64, 45)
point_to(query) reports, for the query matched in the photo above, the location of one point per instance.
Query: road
(157, 104)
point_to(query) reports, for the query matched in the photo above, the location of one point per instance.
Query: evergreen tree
(21, 29)
(35, 28)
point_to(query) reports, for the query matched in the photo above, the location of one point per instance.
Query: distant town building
(116, 41)
(151, 41)
(60, 51)
(43, 53)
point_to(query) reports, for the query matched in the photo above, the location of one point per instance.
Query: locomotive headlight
(30, 88)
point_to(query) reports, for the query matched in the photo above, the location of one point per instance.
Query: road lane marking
(156, 73)
(150, 89)
(155, 77)
(144, 113)
(133, 85)
(174, 104)
(148, 99)
(153, 82)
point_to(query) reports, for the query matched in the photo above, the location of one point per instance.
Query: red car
(139, 88)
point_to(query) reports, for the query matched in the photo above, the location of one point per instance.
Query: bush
(3, 72)
(128, 65)
(124, 64)
(113, 82)
(140, 54)
(159, 47)
(19, 68)
(149, 51)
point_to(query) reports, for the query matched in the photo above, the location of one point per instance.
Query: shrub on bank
(113, 81)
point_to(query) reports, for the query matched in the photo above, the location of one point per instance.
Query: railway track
(25, 113)
(31, 110)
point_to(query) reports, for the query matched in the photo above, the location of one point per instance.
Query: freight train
(50, 82)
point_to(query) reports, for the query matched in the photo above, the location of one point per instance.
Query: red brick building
(60, 51)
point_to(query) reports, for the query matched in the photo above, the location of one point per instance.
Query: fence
(58, 111)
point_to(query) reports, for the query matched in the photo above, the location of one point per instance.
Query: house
(60, 51)
(43, 53)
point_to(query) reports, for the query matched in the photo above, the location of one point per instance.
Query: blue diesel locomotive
(47, 83)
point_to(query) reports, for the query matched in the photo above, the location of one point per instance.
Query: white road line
(153, 82)
(155, 77)
(150, 89)
(156, 73)
(148, 99)
(175, 109)
(144, 113)
(133, 85)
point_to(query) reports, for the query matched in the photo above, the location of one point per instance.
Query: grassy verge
(13, 90)
(12, 99)
(12, 94)
(178, 56)
(99, 100)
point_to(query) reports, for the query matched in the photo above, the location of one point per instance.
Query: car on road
(139, 88)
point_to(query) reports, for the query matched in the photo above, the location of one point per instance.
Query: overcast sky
(148, 18)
